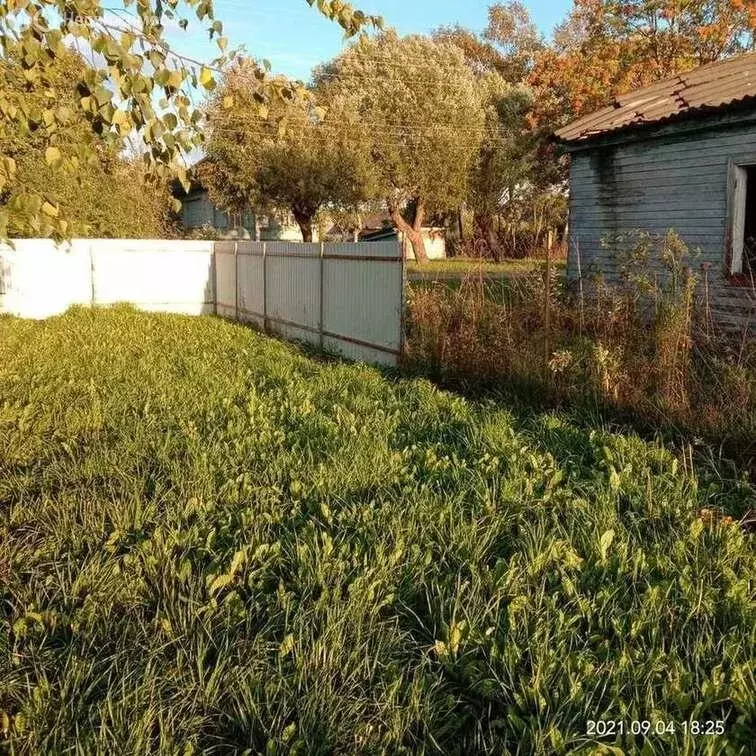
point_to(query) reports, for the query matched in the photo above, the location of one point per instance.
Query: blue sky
(294, 38)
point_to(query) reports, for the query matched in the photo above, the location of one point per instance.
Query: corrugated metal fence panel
(251, 284)
(225, 279)
(292, 289)
(162, 276)
(363, 293)
(39, 279)
(347, 297)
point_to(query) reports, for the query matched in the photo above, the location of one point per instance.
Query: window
(743, 230)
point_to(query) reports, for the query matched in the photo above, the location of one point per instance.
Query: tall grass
(210, 543)
(646, 345)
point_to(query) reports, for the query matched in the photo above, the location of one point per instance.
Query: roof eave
(641, 128)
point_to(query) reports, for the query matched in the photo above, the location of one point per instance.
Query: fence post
(265, 286)
(236, 281)
(403, 300)
(215, 280)
(321, 325)
(92, 292)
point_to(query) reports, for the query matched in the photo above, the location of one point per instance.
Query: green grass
(501, 281)
(464, 265)
(211, 543)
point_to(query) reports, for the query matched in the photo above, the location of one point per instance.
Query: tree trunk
(414, 232)
(303, 217)
(485, 230)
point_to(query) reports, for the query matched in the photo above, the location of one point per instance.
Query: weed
(642, 345)
(210, 543)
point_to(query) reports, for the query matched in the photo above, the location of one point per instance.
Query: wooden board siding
(675, 181)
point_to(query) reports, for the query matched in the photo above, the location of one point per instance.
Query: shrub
(643, 344)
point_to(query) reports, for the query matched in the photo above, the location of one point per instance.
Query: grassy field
(462, 266)
(500, 282)
(211, 543)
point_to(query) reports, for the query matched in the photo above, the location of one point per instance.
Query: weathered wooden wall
(675, 177)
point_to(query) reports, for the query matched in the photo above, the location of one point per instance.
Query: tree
(89, 210)
(503, 162)
(510, 173)
(516, 37)
(140, 85)
(508, 46)
(419, 118)
(608, 47)
(293, 155)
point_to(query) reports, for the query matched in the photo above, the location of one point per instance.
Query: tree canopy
(79, 196)
(292, 155)
(418, 116)
(138, 84)
(607, 47)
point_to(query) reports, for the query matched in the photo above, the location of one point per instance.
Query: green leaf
(287, 645)
(614, 478)
(103, 95)
(219, 583)
(52, 156)
(206, 78)
(50, 210)
(605, 542)
(238, 560)
(696, 528)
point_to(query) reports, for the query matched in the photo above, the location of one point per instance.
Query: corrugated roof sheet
(713, 86)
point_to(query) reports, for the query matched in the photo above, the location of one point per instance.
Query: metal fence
(345, 298)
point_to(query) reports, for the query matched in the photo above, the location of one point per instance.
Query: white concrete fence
(346, 298)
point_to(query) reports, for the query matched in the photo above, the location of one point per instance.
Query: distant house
(379, 227)
(681, 155)
(197, 212)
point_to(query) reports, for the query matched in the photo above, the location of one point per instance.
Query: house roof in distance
(714, 86)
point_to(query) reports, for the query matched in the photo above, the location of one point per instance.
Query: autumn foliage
(608, 47)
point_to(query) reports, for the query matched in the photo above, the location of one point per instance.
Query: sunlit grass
(461, 266)
(209, 542)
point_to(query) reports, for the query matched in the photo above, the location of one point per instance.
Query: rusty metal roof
(713, 86)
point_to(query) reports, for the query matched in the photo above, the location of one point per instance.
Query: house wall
(677, 178)
(197, 210)
(435, 244)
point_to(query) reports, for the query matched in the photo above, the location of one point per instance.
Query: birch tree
(137, 84)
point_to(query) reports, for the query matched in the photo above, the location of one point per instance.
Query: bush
(639, 345)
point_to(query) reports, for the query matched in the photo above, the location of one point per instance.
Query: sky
(295, 38)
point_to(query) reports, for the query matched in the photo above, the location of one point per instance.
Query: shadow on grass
(707, 454)
(729, 455)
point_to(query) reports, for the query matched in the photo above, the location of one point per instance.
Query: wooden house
(679, 155)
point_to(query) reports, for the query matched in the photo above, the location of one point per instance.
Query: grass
(211, 543)
(641, 347)
(461, 266)
(500, 282)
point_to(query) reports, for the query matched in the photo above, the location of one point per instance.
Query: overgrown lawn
(211, 543)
